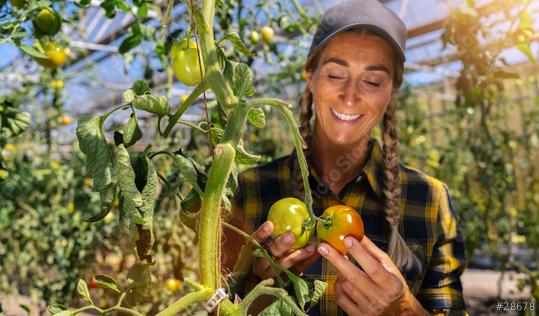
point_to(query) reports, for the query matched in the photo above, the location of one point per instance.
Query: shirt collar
(373, 169)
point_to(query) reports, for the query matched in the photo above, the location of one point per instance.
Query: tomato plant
(336, 223)
(290, 215)
(55, 52)
(47, 22)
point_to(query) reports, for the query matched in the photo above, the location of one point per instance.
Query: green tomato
(254, 37)
(57, 54)
(267, 34)
(291, 215)
(47, 22)
(181, 45)
(187, 67)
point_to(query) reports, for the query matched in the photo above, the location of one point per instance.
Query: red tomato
(337, 222)
(92, 284)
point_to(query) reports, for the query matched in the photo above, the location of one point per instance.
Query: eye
(372, 83)
(335, 77)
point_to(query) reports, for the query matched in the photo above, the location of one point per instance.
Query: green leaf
(188, 172)
(82, 290)
(257, 117)
(107, 282)
(132, 199)
(243, 157)
(64, 313)
(129, 43)
(26, 307)
(13, 122)
(139, 279)
(216, 134)
(277, 308)
(56, 308)
(129, 95)
(142, 11)
(32, 51)
(237, 42)
(242, 84)
(140, 87)
(132, 132)
(318, 292)
(301, 291)
(99, 160)
(152, 103)
(527, 51)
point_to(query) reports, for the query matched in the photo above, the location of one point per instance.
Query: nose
(350, 94)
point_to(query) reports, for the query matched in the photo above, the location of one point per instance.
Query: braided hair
(398, 250)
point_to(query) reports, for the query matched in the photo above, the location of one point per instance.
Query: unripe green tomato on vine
(187, 67)
(254, 37)
(291, 215)
(267, 34)
(47, 22)
(57, 55)
(182, 44)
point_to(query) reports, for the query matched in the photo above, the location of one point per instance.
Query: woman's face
(351, 86)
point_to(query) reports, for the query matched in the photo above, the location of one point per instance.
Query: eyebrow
(342, 62)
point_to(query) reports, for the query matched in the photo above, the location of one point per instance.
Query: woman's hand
(378, 290)
(296, 261)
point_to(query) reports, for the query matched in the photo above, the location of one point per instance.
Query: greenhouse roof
(97, 77)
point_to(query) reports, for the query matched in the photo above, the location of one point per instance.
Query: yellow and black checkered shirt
(429, 224)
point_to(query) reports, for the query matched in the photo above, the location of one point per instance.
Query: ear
(310, 84)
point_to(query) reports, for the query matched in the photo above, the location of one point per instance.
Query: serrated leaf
(83, 292)
(188, 172)
(132, 199)
(242, 84)
(107, 282)
(238, 43)
(139, 279)
(243, 157)
(56, 308)
(301, 291)
(13, 122)
(152, 103)
(99, 159)
(132, 132)
(32, 51)
(129, 95)
(257, 117)
(318, 292)
(277, 308)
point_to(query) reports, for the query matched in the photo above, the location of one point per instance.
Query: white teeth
(345, 117)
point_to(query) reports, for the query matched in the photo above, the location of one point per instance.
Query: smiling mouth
(345, 117)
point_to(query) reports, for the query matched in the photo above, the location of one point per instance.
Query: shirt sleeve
(441, 290)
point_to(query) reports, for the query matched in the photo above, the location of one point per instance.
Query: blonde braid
(398, 250)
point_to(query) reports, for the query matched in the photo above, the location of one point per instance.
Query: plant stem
(264, 287)
(186, 301)
(210, 216)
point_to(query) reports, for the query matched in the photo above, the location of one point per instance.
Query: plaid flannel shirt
(429, 224)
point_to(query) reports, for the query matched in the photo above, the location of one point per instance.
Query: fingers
(303, 265)
(347, 269)
(374, 262)
(344, 301)
(263, 232)
(296, 257)
(282, 244)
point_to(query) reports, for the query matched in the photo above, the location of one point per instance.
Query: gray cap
(353, 13)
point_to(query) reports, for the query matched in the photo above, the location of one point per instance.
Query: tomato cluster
(337, 222)
(186, 62)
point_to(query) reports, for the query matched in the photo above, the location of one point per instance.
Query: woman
(412, 256)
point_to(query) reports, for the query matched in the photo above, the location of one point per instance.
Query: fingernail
(266, 227)
(348, 242)
(310, 248)
(323, 250)
(287, 238)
